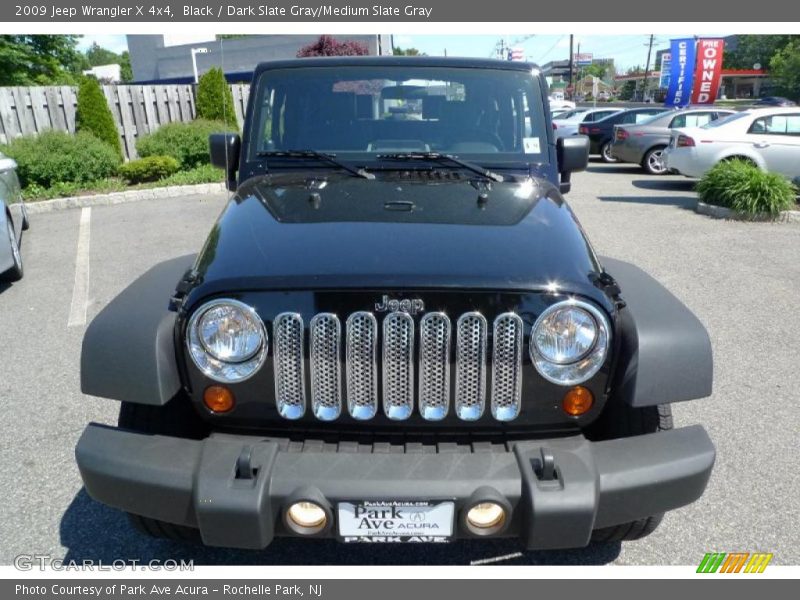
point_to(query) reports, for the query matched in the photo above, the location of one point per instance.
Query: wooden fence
(137, 109)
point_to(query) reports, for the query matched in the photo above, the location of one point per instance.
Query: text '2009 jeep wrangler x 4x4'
(396, 331)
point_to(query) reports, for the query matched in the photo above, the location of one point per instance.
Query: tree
(596, 70)
(755, 49)
(784, 67)
(96, 55)
(327, 45)
(214, 98)
(126, 71)
(39, 60)
(397, 51)
(627, 90)
(93, 115)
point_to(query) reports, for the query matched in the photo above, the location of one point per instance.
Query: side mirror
(7, 164)
(225, 149)
(573, 155)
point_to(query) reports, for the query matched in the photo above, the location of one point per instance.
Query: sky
(627, 50)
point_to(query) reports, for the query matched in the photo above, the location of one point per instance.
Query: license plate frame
(395, 521)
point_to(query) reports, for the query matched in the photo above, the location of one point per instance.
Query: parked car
(558, 112)
(774, 101)
(601, 133)
(767, 137)
(13, 221)
(556, 104)
(396, 346)
(644, 143)
(567, 124)
(604, 96)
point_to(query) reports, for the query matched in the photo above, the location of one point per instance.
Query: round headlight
(569, 342)
(230, 333)
(227, 340)
(565, 334)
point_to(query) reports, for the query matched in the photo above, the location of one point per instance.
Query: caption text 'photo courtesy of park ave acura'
(396, 331)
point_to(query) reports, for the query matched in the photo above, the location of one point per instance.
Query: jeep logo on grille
(411, 306)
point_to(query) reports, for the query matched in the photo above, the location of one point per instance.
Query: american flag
(516, 54)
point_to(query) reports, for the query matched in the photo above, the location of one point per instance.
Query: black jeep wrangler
(396, 331)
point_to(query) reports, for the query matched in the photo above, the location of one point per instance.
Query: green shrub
(743, 187)
(204, 174)
(93, 115)
(151, 168)
(185, 142)
(214, 98)
(59, 157)
(59, 189)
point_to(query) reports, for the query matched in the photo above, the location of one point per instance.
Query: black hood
(411, 230)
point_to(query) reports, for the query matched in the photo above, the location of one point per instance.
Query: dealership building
(168, 58)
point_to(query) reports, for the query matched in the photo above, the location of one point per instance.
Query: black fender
(128, 350)
(664, 350)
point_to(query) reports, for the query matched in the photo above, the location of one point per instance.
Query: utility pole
(570, 65)
(647, 67)
(578, 70)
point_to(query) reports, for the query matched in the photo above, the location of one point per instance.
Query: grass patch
(202, 174)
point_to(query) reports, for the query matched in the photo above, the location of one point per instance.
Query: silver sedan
(13, 220)
(644, 143)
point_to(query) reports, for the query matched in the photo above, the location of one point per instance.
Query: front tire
(605, 153)
(626, 421)
(16, 271)
(26, 223)
(176, 418)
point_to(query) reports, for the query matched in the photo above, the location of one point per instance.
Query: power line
(553, 47)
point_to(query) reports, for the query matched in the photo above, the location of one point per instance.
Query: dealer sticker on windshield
(396, 521)
(531, 145)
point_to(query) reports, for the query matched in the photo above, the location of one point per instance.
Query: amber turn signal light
(218, 399)
(577, 401)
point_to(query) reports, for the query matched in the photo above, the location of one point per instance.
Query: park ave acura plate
(395, 521)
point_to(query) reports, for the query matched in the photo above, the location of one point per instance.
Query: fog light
(218, 399)
(577, 401)
(486, 515)
(306, 517)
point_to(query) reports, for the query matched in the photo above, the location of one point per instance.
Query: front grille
(470, 366)
(362, 365)
(395, 391)
(507, 367)
(290, 391)
(434, 366)
(398, 365)
(325, 339)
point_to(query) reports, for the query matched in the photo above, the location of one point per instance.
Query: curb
(720, 212)
(46, 206)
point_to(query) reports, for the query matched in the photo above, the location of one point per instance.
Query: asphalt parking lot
(741, 279)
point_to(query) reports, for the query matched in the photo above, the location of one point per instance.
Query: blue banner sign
(681, 73)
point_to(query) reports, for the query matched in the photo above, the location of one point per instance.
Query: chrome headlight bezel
(585, 366)
(214, 368)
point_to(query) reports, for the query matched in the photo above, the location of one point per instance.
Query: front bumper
(202, 484)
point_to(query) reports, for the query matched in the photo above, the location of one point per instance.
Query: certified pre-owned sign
(395, 521)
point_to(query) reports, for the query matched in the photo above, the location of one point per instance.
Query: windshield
(725, 120)
(647, 118)
(360, 112)
(572, 115)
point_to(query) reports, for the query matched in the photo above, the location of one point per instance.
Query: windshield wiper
(439, 157)
(323, 156)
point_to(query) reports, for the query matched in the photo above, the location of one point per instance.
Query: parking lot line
(80, 290)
